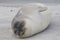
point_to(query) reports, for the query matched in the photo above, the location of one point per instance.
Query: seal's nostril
(17, 32)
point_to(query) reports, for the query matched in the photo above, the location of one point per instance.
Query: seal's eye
(19, 25)
(16, 25)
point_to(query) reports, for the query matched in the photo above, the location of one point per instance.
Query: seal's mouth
(19, 28)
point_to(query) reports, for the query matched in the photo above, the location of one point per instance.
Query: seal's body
(31, 19)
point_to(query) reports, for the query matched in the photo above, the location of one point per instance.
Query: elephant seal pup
(31, 19)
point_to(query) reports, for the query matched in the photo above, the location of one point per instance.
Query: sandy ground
(51, 33)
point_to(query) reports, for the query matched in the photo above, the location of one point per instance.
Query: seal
(31, 19)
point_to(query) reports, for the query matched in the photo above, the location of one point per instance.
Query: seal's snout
(19, 28)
